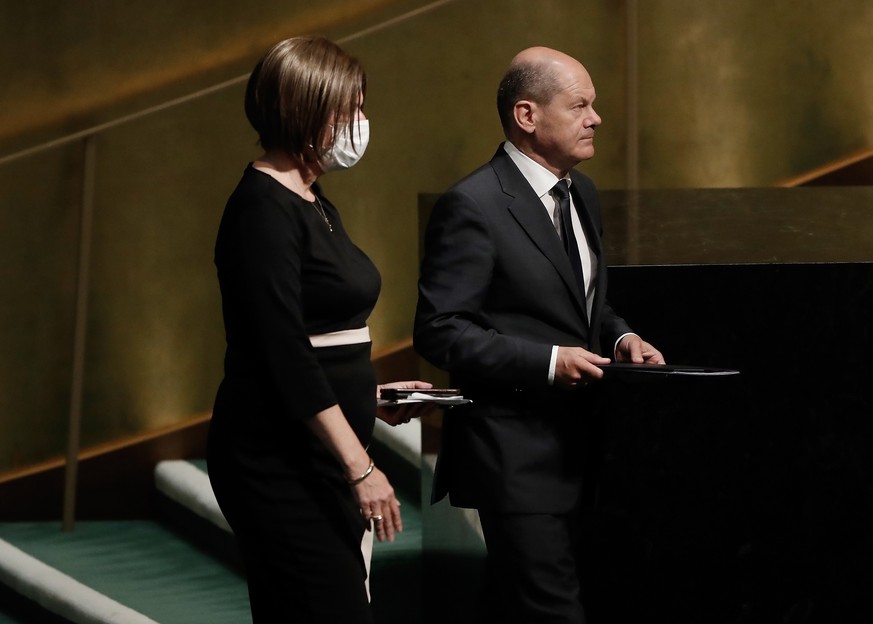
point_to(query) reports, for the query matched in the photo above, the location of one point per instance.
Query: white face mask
(343, 155)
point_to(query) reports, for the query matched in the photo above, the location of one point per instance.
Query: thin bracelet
(363, 476)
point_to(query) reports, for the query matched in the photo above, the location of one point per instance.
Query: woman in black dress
(295, 411)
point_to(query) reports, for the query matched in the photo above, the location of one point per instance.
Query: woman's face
(336, 125)
(345, 142)
(360, 110)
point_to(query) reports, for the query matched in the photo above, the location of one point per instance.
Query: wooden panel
(116, 480)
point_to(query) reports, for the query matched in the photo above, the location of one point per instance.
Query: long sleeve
(452, 326)
(258, 255)
(270, 280)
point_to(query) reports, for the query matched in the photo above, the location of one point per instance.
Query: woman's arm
(374, 493)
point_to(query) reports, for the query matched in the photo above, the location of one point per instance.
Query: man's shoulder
(484, 179)
(480, 178)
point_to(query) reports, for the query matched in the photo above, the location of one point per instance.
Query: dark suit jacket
(496, 292)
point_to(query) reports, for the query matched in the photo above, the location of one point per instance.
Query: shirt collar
(541, 179)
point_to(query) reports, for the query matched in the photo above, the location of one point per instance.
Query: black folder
(629, 369)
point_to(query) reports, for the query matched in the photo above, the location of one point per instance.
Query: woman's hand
(398, 414)
(378, 503)
(369, 484)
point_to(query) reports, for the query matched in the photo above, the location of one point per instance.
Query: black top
(284, 275)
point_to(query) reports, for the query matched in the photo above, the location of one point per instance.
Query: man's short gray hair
(524, 81)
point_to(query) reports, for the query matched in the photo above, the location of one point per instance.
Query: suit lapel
(582, 210)
(592, 233)
(527, 210)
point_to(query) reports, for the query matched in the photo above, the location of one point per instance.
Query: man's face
(565, 126)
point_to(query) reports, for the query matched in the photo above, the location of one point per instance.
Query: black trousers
(532, 569)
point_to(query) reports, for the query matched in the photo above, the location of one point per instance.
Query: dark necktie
(561, 191)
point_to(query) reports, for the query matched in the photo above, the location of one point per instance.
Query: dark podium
(745, 498)
(742, 499)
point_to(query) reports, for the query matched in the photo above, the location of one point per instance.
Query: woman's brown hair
(298, 89)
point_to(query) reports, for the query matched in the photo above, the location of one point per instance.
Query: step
(124, 572)
(398, 450)
(186, 483)
(396, 571)
(142, 572)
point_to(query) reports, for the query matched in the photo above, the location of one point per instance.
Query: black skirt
(295, 518)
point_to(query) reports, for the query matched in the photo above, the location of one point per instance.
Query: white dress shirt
(543, 181)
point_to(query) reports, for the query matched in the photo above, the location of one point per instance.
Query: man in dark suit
(512, 302)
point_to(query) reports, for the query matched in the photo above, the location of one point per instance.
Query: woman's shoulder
(261, 209)
(258, 183)
(257, 191)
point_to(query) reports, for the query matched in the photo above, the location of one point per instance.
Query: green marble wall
(747, 93)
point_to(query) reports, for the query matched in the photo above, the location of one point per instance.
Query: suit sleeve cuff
(552, 364)
(615, 346)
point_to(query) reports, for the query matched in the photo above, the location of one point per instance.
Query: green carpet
(140, 565)
(9, 619)
(152, 570)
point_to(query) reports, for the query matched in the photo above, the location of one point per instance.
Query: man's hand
(576, 365)
(634, 349)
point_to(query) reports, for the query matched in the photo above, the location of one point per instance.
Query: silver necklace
(320, 209)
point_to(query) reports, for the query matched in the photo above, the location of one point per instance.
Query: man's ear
(524, 113)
